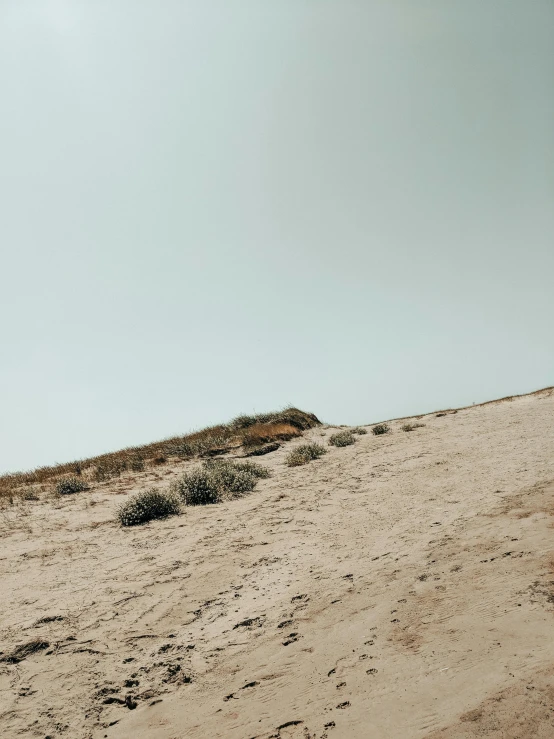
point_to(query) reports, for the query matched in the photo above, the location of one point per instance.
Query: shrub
(197, 488)
(252, 468)
(70, 485)
(218, 480)
(304, 454)
(343, 438)
(381, 428)
(360, 431)
(412, 426)
(147, 506)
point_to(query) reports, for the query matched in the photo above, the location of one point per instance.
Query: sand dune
(399, 587)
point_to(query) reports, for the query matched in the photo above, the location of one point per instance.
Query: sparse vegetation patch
(360, 431)
(381, 428)
(147, 506)
(304, 453)
(219, 480)
(292, 416)
(249, 431)
(412, 426)
(70, 485)
(343, 438)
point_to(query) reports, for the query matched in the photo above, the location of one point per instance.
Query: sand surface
(400, 587)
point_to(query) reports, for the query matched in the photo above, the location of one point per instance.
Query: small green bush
(304, 454)
(147, 506)
(219, 480)
(342, 438)
(381, 428)
(71, 485)
(197, 488)
(360, 431)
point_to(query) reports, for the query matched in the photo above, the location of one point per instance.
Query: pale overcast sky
(213, 207)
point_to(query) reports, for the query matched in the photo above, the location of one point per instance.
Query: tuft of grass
(219, 480)
(70, 485)
(381, 428)
(147, 506)
(304, 453)
(360, 431)
(342, 438)
(412, 426)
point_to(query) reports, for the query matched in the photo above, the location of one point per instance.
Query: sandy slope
(401, 587)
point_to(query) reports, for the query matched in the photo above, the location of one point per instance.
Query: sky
(215, 207)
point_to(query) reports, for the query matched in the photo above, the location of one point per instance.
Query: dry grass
(262, 433)
(244, 430)
(412, 426)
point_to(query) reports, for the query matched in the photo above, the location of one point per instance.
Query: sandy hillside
(399, 587)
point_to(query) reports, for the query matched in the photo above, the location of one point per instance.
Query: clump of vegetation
(147, 506)
(360, 431)
(292, 416)
(304, 453)
(244, 430)
(381, 428)
(342, 438)
(219, 480)
(197, 488)
(70, 485)
(412, 426)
